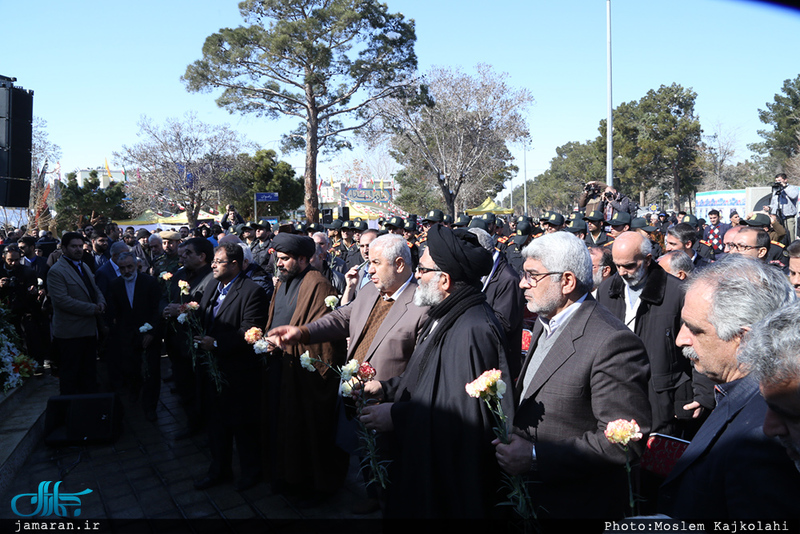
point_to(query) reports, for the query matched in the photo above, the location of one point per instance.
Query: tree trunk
(312, 148)
(676, 190)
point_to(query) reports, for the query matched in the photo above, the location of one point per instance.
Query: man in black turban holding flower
(444, 464)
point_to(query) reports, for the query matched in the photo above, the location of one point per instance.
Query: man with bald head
(649, 301)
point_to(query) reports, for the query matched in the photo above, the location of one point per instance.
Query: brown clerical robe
(305, 454)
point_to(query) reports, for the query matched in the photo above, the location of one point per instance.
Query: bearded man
(301, 419)
(444, 465)
(649, 301)
(133, 301)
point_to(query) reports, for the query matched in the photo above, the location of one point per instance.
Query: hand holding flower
(378, 417)
(515, 457)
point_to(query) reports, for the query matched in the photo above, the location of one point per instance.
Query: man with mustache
(731, 469)
(648, 300)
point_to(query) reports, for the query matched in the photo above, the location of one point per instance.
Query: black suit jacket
(731, 470)
(244, 307)
(507, 300)
(126, 321)
(104, 276)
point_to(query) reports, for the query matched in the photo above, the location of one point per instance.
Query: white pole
(610, 121)
(525, 175)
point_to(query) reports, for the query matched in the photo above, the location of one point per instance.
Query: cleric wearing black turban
(445, 465)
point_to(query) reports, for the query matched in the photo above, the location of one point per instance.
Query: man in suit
(731, 469)
(584, 369)
(683, 236)
(196, 255)
(231, 307)
(382, 323)
(109, 271)
(133, 302)
(27, 246)
(77, 304)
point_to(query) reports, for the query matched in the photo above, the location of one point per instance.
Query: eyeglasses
(219, 262)
(534, 278)
(423, 270)
(740, 248)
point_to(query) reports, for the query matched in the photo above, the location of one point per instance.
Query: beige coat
(73, 310)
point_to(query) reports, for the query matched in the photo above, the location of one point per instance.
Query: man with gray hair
(731, 469)
(109, 271)
(584, 369)
(677, 263)
(772, 354)
(383, 322)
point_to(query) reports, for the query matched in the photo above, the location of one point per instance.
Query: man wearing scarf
(300, 405)
(444, 465)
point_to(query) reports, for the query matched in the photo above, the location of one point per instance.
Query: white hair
(563, 252)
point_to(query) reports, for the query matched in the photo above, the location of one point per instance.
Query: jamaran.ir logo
(46, 503)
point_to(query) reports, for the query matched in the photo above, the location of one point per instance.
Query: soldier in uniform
(522, 236)
(169, 261)
(410, 234)
(578, 227)
(553, 222)
(639, 225)
(261, 245)
(595, 234)
(447, 220)
(462, 221)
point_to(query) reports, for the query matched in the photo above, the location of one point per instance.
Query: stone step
(22, 417)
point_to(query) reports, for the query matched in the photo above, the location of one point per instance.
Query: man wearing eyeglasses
(228, 309)
(444, 466)
(584, 369)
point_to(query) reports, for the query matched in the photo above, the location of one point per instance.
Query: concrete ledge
(22, 418)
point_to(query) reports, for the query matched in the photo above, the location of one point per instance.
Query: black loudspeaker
(344, 213)
(79, 419)
(16, 134)
(14, 192)
(327, 216)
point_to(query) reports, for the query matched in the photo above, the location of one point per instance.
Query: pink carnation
(366, 372)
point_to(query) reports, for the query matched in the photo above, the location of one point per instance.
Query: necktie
(371, 327)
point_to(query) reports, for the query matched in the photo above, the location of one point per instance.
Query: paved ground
(144, 482)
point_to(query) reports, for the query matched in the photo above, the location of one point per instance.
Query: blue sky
(97, 67)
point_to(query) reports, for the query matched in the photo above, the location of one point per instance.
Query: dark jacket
(658, 320)
(731, 469)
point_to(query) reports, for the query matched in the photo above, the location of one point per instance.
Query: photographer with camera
(591, 199)
(231, 217)
(783, 204)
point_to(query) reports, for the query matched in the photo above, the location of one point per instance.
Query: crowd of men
(684, 326)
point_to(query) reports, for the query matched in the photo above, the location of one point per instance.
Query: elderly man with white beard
(731, 470)
(649, 301)
(444, 464)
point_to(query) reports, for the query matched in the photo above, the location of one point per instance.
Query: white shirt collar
(396, 294)
(561, 317)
